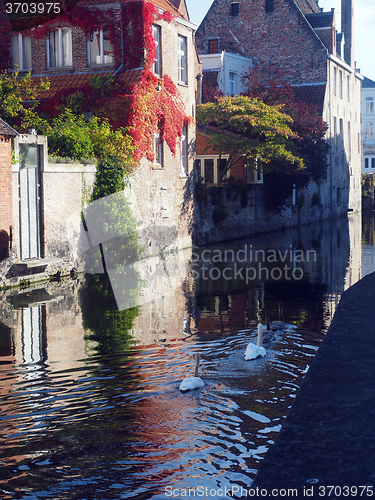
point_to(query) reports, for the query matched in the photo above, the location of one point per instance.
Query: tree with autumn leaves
(267, 123)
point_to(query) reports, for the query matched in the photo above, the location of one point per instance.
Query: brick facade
(282, 37)
(6, 214)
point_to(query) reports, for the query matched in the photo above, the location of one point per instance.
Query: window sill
(183, 84)
(104, 65)
(54, 69)
(13, 70)
(157, 166)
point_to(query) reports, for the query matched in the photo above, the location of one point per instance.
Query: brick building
(368, 124)
(6, 215)
(126, 40)
(301, 39)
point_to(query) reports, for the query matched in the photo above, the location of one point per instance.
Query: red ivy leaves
(139, 43)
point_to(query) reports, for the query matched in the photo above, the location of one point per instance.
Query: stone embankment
(328, 438)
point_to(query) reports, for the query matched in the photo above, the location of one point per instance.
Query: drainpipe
(199, 88)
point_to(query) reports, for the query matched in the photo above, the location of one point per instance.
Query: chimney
(347, 29)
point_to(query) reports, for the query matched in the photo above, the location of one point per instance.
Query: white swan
(279, 325)
(268, 335)
(191, 383)
(256, 351)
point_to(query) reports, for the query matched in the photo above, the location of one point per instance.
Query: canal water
(89, 401)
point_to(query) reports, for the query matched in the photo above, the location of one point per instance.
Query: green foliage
(14, 91)
(249, 128)
(69, 135)
(102, 320)
(268, 83)
(103, 84)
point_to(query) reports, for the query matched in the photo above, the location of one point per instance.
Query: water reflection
(90, 406)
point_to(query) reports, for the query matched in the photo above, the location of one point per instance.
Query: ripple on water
(121, 422)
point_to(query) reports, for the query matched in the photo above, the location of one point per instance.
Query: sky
(364, 30)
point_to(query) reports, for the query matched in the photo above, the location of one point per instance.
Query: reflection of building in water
(368, 259)
(33, 341)
(368, 249)
(166, 298)
(45, 324)
(354, 269)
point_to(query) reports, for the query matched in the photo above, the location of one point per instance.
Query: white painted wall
(227, 63)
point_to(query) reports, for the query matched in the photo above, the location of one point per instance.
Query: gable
(282, 37)
(308, 6)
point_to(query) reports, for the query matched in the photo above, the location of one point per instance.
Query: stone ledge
(34, 266)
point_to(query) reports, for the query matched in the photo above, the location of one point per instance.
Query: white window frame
(340, 84)
(369, 105)
(156, 33)
(334, 83)
(369, 131)
(103, 59)
(232, 83)
(157, 147)
(348, 82)
(215, 158)
(254, 175)
(184, 152)
(22, 40)
(60, 53)
(182, 59)
(370, 161)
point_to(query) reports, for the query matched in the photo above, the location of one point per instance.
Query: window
(334, 80)
(158, 150)
(335, 130)
(209, 168)
(366, 161)
(21, 52)
(349, 140)
(270, 5)
(340, 84)
(232, 83)
(156, 33)
(59, 48)
(184, 153)
(348, 81)
(369, 131)
(100, 48)
(369, 104)
(234, 9)
(182, 59)
(213, 46)
(254, 172)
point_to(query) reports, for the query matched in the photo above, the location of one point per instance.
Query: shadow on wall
(4, 244)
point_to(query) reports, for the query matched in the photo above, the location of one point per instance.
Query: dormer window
(100, 48)
(270, 5)
(235, 9)
(59, 48)
(21, 52)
